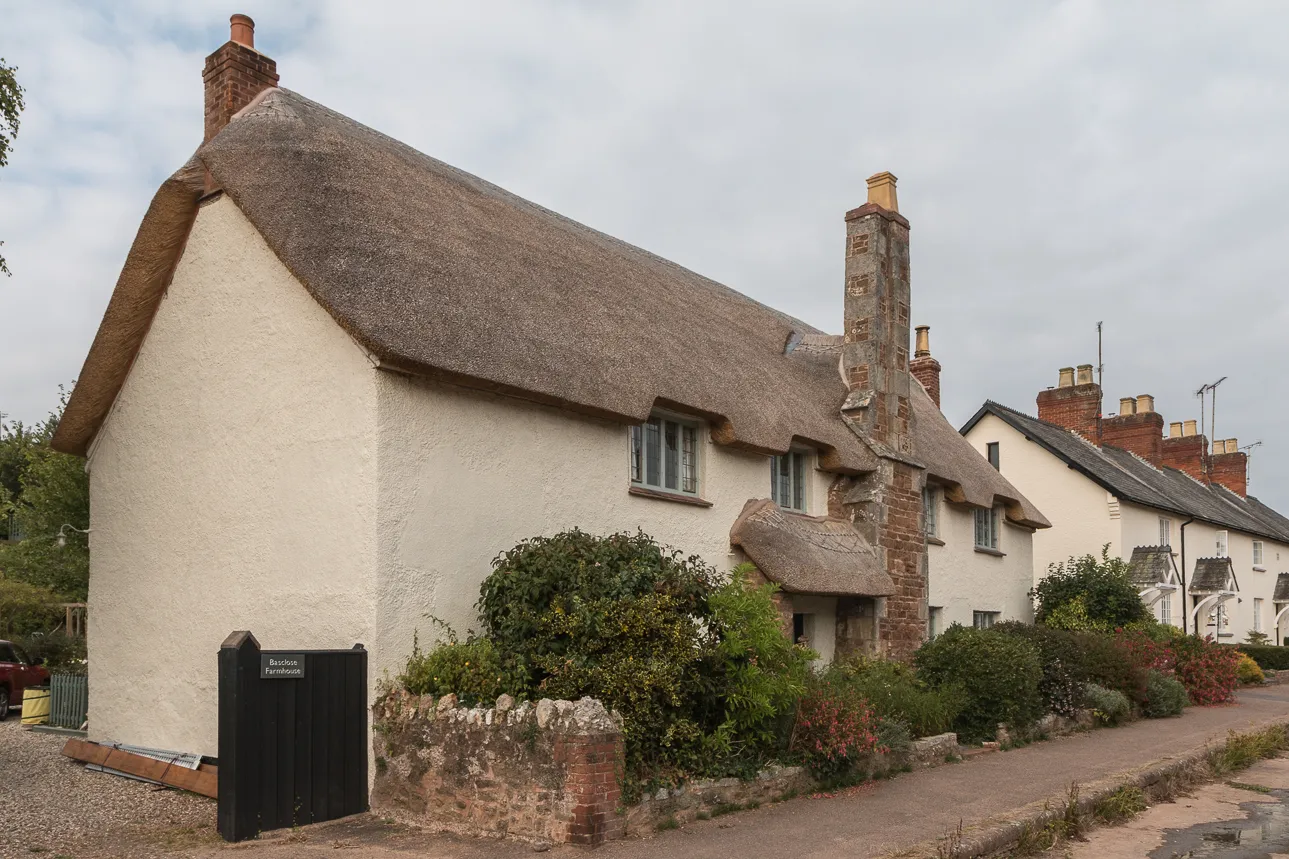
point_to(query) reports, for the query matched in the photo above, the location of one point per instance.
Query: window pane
(785, 479)
(992, 447)
(774, 480)
(671, 469)
(637, 451)
(799, 481)
(653, 452)
(689, 459)
(993, 528)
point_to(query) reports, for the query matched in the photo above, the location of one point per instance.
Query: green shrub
(1061, 686)
(61, 654)
(1269, 657)
(1107, 662)
(1248, 672)
(1108, 705)
(26, 609)
(893, 736)
(1165, 696)
(762, 673)
(998, 675)
(895, 693)
(1088, 594)
(470, 670)
(834, 728)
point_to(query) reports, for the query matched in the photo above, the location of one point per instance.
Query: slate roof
(805, 554)
(1132, 479)
(1212, 574)
(1150, 565)
(1282, 588)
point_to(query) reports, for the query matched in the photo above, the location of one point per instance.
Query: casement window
(788, 479)
(1257, 553)
(1165, 531)
(984, 619)
(987, 528)
(931, 507)
(1221, 545)
(1257, 614)
(1166, 609)
(664, 455)
(992, 452)
(934, 620)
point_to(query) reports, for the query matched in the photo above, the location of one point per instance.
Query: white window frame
(1259, 553)
(986, 526)
(1222, 545)
(1165, 531)
(984, 619)
(800, 465)
(1257, 614)
(994, 454)
(934, 618)
(931, 510)
(687, 431)
(1166, 608)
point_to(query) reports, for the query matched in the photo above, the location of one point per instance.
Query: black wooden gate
(292, 736)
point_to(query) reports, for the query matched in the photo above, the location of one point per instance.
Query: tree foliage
(1089, 594)
(11, 105)
(45, 490)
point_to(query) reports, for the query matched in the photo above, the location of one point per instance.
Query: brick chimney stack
(923, 367)
(1137, 428)
(1186, 450)
(1075, 403)
(234, 75)
(1230, 466)
(875, 355)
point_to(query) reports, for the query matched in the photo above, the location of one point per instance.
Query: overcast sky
(1061, 163)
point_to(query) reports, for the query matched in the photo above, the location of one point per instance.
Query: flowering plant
(834, 728)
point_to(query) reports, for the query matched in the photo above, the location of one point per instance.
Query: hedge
(1268, 656)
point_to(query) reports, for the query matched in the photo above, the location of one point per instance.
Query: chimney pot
(1127, 406)
(242, 30)
(922, 348)
(1232, 445)
(1189, 428)
(881, 191)
(1066, 378)
(1145, 403)
(1175, 429)
(1085, 374)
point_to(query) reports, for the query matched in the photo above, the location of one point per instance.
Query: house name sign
(281, 666)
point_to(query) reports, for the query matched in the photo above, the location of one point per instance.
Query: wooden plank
(204, 783)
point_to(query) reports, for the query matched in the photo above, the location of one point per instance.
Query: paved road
(876, 819)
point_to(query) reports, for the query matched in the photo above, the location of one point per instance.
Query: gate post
(239, 763)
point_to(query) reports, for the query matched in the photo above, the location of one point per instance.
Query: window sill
(691, 500)
(985, 551)
(934, 541)
(1258, 568)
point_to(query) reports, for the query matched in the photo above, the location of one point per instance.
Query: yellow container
(35, 706)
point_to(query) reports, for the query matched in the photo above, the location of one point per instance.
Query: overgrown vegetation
(1088, 594)
(897, 694)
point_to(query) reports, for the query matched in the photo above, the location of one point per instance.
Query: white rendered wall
(1078, 509)
(464, 475)
(232, 487)
(963, 581)
(822, 628)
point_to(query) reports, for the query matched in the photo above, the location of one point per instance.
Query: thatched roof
(805, 554)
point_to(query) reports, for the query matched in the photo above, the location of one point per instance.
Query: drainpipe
(1185, 607)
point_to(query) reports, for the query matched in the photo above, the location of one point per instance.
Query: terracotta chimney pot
(242, 30)
(922, 347)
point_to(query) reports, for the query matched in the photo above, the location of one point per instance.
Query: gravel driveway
(52, 807)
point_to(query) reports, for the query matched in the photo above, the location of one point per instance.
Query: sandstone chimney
(875, 354)
(923, 367)
(1076, 407)
(234, 75)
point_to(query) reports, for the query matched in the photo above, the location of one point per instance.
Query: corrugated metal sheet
(69, 700)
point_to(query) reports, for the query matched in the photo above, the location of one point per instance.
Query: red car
(16, 674)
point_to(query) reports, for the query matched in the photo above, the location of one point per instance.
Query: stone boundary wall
(546, 771)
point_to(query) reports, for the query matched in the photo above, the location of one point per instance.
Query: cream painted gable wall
(1079, 510)
(233, 486)
(963, 580)
(464, 475)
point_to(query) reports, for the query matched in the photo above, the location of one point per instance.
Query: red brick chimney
(923, 367)
(1230, 466)
(234, 75)
(875, 353)
(1186, 450)
(1137, 428)
(1073, 404)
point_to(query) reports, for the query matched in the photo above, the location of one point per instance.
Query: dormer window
(788, 479)
(664, 455)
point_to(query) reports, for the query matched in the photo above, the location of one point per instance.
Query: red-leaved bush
(1146, 652)
(1206, 668)
(834, 728)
